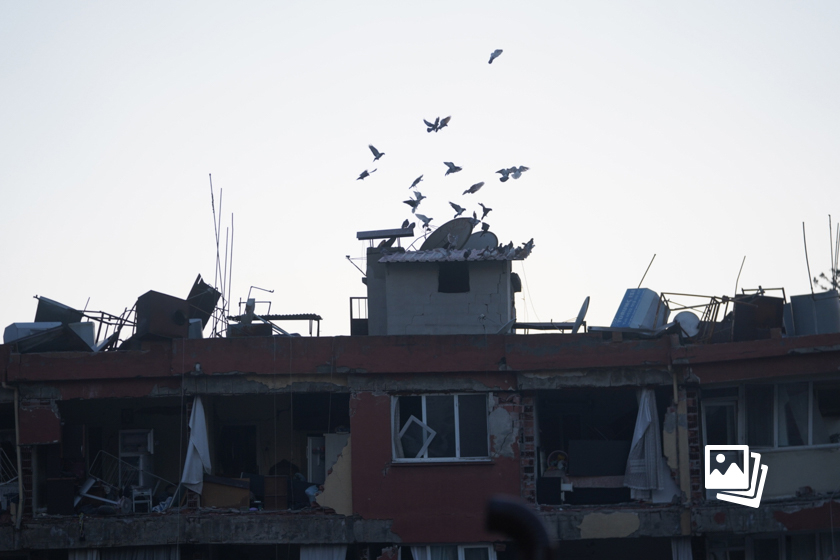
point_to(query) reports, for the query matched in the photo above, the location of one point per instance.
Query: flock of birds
(436, 126)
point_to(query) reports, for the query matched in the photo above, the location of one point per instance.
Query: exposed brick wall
(528, 451)
(692, 401)
(27, 477)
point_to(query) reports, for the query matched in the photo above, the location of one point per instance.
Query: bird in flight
(494, 55)
(443, 123)
(474, 188)
(376, 153)
(425, 220)
(364, 174)
(416, 182)
(430, 127)
(484, 210)
(516, 172)
(452, 168)
(485, 226)
(458, 209)
(505, 174)
(418, 198)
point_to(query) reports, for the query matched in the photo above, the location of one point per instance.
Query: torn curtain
(645, 466)
(198, 452)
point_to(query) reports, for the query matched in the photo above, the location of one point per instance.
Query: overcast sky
(702, 132)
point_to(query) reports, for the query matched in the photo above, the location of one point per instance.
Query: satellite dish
(482, 240)
(461, 228)
(688, 322)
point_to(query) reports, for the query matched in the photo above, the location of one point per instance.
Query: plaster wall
(414, 305)
(791, 469)
(428, 502)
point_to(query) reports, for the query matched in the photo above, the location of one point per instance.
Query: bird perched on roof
(376, 153)
(452, 168)
(458, 209)
(443, 123)
(494, 55)
(516, 172)
(364, 174)
(484, 210)
(485, 226)
(505, 173)
(416, 182)
(430, 127)
(474, 220)
(451, 240)
(425, 220)
(407, 225)
(474, 188)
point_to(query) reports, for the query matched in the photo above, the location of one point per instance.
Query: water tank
(816, 313)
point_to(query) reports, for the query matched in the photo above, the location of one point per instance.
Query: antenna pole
(739, 274)
(230, 270)
(646, 271)
(831, 252)
(805, 241)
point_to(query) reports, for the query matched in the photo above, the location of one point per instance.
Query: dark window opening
(454, 278)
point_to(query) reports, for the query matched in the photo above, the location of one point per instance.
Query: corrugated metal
(505, 253)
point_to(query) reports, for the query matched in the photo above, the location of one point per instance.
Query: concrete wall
(414, 305)
(791, 469)
(428, 502)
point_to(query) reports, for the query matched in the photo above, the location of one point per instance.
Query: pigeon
(364, 174)
(443, 123)
(484, 210)
(474, 220)
(407, 225)
(419, 196)
(516, 172)
(505, 174)
(474, 188)
(451, 240)
(485, 226)
(376, 153)
(413, 204)
(458, 209)
(416, 182)
(494, 55)
(425, 220)
(452, 168)
(430, 126)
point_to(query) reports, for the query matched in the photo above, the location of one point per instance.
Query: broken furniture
(111, 475)
(222, 492)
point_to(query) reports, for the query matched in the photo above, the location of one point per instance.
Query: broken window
(775, 415)
(440, 427)
(453, 277)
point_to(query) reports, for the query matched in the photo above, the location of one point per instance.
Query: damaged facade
(389, 444)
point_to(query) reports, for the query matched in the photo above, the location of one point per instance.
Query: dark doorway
(237, 450)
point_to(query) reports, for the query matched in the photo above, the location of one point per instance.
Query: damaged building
(135, 437)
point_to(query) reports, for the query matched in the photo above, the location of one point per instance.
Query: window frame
(422, 422)
(741, 416)
(491, 551)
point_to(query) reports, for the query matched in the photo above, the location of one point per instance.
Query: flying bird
(413, 204)
(484, 210)
(443, 123)
(364, 174)
(452, 168)
(416, 182)
(458, 209)
(430, 126)
(516, 172)
(376, 153)
(485, 226)
(474, 220)
(504, 174)
(474, 188)
(494, 55)
(419, 196)
(425, 220)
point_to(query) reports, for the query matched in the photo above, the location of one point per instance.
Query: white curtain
(395, 429)
(444, 552)
(198, 453)
(420, 552)
(681, 548)
(323, 551)
(644, 470)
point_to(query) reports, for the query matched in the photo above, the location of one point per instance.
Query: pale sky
(702, 132)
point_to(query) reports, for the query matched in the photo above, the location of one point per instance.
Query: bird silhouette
(413, 204)
(484, 210)
(443, 123)
(505, 174)
(364, 174)
(416, 182)
(452, 168)
(376, 153)
(494, 55)
(425, 220)
(516, 172)
(485, 226)
(474, 188)
(430, 126)
(458, 209)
